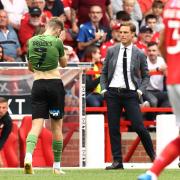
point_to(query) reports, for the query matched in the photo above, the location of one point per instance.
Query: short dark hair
(2, 100)
(158, 3)
(152, 43)
(150, 16)
(129, 24)
(123, 16)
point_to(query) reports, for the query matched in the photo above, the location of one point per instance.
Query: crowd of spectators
(90, 23)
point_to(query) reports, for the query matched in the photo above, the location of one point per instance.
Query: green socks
(30, 143)
(57, 147)
(57, 150)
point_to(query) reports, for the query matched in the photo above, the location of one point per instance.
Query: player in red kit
(171, 40)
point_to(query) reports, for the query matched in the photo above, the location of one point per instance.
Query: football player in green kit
(45, 54)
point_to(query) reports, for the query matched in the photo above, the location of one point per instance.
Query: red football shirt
(141, 46)
(104, 47)
(155, 37)
(172, 40)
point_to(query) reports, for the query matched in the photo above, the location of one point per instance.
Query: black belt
(121, 90)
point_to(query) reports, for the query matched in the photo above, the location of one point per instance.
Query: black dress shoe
(115, 165)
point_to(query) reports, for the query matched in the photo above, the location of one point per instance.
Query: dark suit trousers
(116, 101)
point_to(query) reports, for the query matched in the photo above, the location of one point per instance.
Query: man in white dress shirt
(123, 80)
(156, 88)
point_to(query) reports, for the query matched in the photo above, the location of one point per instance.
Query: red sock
(169, 153)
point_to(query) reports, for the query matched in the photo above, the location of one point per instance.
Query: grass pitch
(84, 174)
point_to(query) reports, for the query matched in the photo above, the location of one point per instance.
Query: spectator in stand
(28, 28)
(93, 89)
(146, 6)
(80, 10)
(129, 6)
(46, 14)
(114, 40)
(117, 5)
(9, 39)
(151, 21)
(15, 10)
(157, 9)
(5, 124)
(1, 54)
(144, 38)
(155, 92)
(91, 32)
(157, 64)
(56, 7)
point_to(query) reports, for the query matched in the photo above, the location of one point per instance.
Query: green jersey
(44, 52)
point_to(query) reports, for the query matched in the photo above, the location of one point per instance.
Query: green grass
(92, 174)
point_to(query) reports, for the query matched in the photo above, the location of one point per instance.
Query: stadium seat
(43, 156)
(10, 152)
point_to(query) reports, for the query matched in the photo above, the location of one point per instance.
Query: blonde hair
(55, 23)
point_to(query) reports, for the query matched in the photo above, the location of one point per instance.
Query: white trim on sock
(28, 157)
(56, 165)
